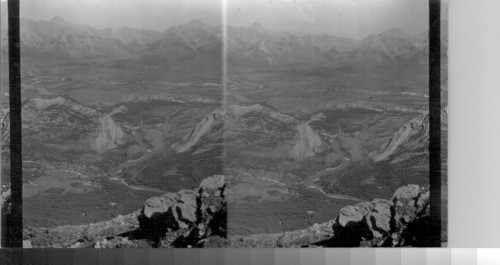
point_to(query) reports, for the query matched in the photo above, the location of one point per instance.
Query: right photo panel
(326, 123)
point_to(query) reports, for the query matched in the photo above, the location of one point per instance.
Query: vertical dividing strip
(224, 52)
(1, 135)
(13, 226)
(435, 121)
(224, 97)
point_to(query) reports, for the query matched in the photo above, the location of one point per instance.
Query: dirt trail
(310, 182)
(139, 187)
(356, 153)
(129, 163)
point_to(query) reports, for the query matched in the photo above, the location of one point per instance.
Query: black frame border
(435, 122)
(12, 227)
(12, 223)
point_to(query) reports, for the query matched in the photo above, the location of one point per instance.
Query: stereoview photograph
(224, 123)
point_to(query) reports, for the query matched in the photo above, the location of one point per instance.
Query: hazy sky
(155, 15)
(348, 18)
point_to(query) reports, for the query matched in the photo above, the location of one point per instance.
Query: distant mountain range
(196, 42)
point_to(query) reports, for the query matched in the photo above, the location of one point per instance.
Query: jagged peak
(58, 20)
(257, 27)
(393, 32)
(195, 23)
(26, 20)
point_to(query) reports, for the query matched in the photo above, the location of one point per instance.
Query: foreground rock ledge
(381, 223)
(188, 218)
(198, 219)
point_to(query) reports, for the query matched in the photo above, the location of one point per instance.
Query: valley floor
(295, 147)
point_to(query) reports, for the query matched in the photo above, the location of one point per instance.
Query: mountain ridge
(195, 42)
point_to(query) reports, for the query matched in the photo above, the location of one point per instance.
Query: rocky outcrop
(308, 143)
(5, 201)
(380, 223)
(229, 114)
(4, 129)
(201, 128)
(198, 218)
(188, 218)
(4, 194)
(412, 135)
(110, 136)
(383, 223)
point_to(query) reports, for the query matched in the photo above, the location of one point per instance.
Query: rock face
(111, 134)
(5, 201)
(413, 135)
(226, 116)
(384, 223)
(204, 126)
(196, 214)
(308, 143)
(381, 223)
(5, 129)
(172, 211)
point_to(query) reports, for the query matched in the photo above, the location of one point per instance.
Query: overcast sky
(348, 18)
(155, 15)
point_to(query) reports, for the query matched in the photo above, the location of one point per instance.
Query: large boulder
(186, 217)
(170, 211)
(411, 211)
(350, 216)
(381, 222)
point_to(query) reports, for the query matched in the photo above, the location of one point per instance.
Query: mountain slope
(197, 44)
(411, 138)
(65, 40)
(383, 51)
(227, 121)
(63, 124)
(259, 45)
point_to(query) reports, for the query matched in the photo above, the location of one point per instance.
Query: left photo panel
(112, 92)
